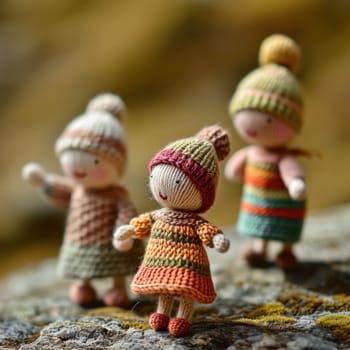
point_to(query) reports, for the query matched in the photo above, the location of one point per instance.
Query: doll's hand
(34, 174)
(122, 238)
(221, 244)
(123, 246)
(297, 189)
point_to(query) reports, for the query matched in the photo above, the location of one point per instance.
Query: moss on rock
(338, 324)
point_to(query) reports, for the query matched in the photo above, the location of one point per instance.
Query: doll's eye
(177, 182)
(269, 120)
(96, 161)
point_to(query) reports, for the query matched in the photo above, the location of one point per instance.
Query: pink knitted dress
(87, 250)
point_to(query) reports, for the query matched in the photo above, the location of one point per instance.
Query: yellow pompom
(280, 49)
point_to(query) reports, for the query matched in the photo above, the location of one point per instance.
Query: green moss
(301, 303)
(267, 310)
(270, 320)
(305, 303)
(338, 324)
(128, 318)
(271, 314)
(135, 324)
(341, 302)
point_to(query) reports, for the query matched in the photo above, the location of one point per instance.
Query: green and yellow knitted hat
(272, 88)
(198, 158)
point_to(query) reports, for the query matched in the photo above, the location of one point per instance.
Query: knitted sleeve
(290, 169)
(235, 166)
(126, 210)
(58, 190)
(206, 232)
(142, 225)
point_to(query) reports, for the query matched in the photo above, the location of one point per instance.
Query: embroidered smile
(163, 196)
(79, 174)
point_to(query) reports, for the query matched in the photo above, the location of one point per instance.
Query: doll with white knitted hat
(183, 180)
(92, 152)
(266, 110)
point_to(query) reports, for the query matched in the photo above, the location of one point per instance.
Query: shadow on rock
(328, 278)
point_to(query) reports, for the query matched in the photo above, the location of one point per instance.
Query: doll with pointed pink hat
(183, 180)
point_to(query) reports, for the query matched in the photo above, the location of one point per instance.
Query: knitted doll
(183, 179)
(267, 113)
(92, 153)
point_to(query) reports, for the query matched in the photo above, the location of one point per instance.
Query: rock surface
(255, 309)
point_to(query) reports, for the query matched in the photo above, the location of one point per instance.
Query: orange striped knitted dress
(175, 262)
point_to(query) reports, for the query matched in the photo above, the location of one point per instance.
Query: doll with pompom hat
(183, 179)
(93, 152)
(267, 113)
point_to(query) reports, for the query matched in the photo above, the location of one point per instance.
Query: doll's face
(262, 129)
(88, 169)
(172, 189)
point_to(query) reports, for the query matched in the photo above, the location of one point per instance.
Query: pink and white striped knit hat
(99, 130)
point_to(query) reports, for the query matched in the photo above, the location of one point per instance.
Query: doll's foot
(159, 321)
(116, 297)
(82, 293)
(286, 260)
(252, 257)
(179, 326)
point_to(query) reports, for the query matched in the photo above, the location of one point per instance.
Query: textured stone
(16, 331)
(87, 334)
(310, 343)
(255, 309)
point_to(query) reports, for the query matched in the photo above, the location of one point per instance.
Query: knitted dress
(267, 210)
(87, 250)
(175, 262)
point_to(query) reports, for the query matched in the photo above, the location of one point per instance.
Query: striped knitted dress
(87, 250)
(267, 211)
(175, 262)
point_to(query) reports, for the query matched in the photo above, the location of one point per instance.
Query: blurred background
(176, 64)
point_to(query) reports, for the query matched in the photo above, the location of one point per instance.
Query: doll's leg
(82, 293)
(180, 325)
(159, 320)
(255, 253)
(118, 294)
(286, 259)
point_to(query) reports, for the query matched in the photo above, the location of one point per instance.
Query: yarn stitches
(92, 151)
(267, 113)
(175, 261)
(266, 197)
(183, 179)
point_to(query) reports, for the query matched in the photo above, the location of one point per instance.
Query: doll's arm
(126, 210)
(142, 225)
(139, 227)
(123, 234)
(55, 188)
(213, 237)
(234, 169)
(293, 177)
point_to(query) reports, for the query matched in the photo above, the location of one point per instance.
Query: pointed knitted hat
(99, 130)
(272, 88)
(198, 158)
